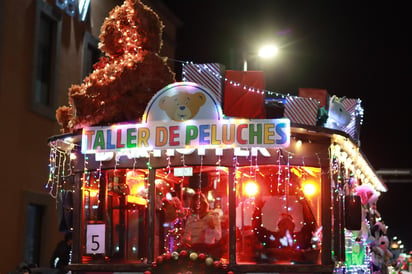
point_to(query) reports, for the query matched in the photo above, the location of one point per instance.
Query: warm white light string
(60, 151)
(54, 170)
(348, 153)
(204, 68)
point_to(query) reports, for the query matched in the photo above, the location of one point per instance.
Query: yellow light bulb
(309, 188)
(251, 188)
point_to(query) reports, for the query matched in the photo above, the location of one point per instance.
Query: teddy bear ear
(201, 97)
(163, 101)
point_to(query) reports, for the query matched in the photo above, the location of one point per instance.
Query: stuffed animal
(378, 230)
(127, 77)
(368, 197)
(401, 263)
(338, 116)
(379, 243)
(384, 245)
(381, 255)
(366, 193)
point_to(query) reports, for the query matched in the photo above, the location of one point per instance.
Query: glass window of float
(278, 214)
(192, 211)
(115, 215)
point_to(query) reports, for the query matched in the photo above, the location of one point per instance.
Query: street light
(268, 51)
(265, 52)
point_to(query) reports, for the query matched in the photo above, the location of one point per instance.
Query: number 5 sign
(95, 239)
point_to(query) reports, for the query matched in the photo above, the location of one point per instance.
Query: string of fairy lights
(60, 164)
(343, 156)
(349, 171)
(204, 68)
(62, 157)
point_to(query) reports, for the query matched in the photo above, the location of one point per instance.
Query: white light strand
(218, 171)
(236, 166)
(206, 69)
(343, 150)
(57, 167)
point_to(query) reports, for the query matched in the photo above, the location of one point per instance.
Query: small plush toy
(381, 255)
(127, 77)
(384, 245)
(338, 116)
(379, 243)
(368, 198)
(366, 193)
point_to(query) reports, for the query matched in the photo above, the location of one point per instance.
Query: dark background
(357, 49)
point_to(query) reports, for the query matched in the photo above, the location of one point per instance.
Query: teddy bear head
(126, 77)
(383, 242)
(131, 27)
(183, 105)
(378, 230)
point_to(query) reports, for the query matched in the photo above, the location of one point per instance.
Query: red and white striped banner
(210, 75)
(301, 110)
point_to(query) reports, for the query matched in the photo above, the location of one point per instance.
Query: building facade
(45, 47)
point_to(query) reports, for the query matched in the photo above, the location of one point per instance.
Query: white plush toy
(338, 116)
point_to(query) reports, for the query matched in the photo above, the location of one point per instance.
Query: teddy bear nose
(182, 107)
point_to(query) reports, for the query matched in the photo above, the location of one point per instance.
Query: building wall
(24, 133)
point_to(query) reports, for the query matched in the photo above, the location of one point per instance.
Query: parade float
(285, 175)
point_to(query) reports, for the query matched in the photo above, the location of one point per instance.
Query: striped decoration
(354, 108)
(301, 110)
(209, 75)
(350, 105)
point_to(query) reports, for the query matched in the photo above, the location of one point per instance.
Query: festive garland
(186, 261)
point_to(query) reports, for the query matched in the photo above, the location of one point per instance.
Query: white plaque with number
(95, 239)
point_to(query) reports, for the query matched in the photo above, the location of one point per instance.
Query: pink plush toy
(366, 193)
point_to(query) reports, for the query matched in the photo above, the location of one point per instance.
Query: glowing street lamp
(265, 52)
(268, 51)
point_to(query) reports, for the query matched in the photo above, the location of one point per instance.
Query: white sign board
(95, 239)
(183, 171)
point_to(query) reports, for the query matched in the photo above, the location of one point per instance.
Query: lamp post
(265, 52)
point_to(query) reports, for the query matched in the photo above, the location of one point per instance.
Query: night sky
(357, 49)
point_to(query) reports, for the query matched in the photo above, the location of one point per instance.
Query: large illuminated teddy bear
(126, 78)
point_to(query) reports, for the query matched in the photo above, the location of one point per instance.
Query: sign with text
(189, 134)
